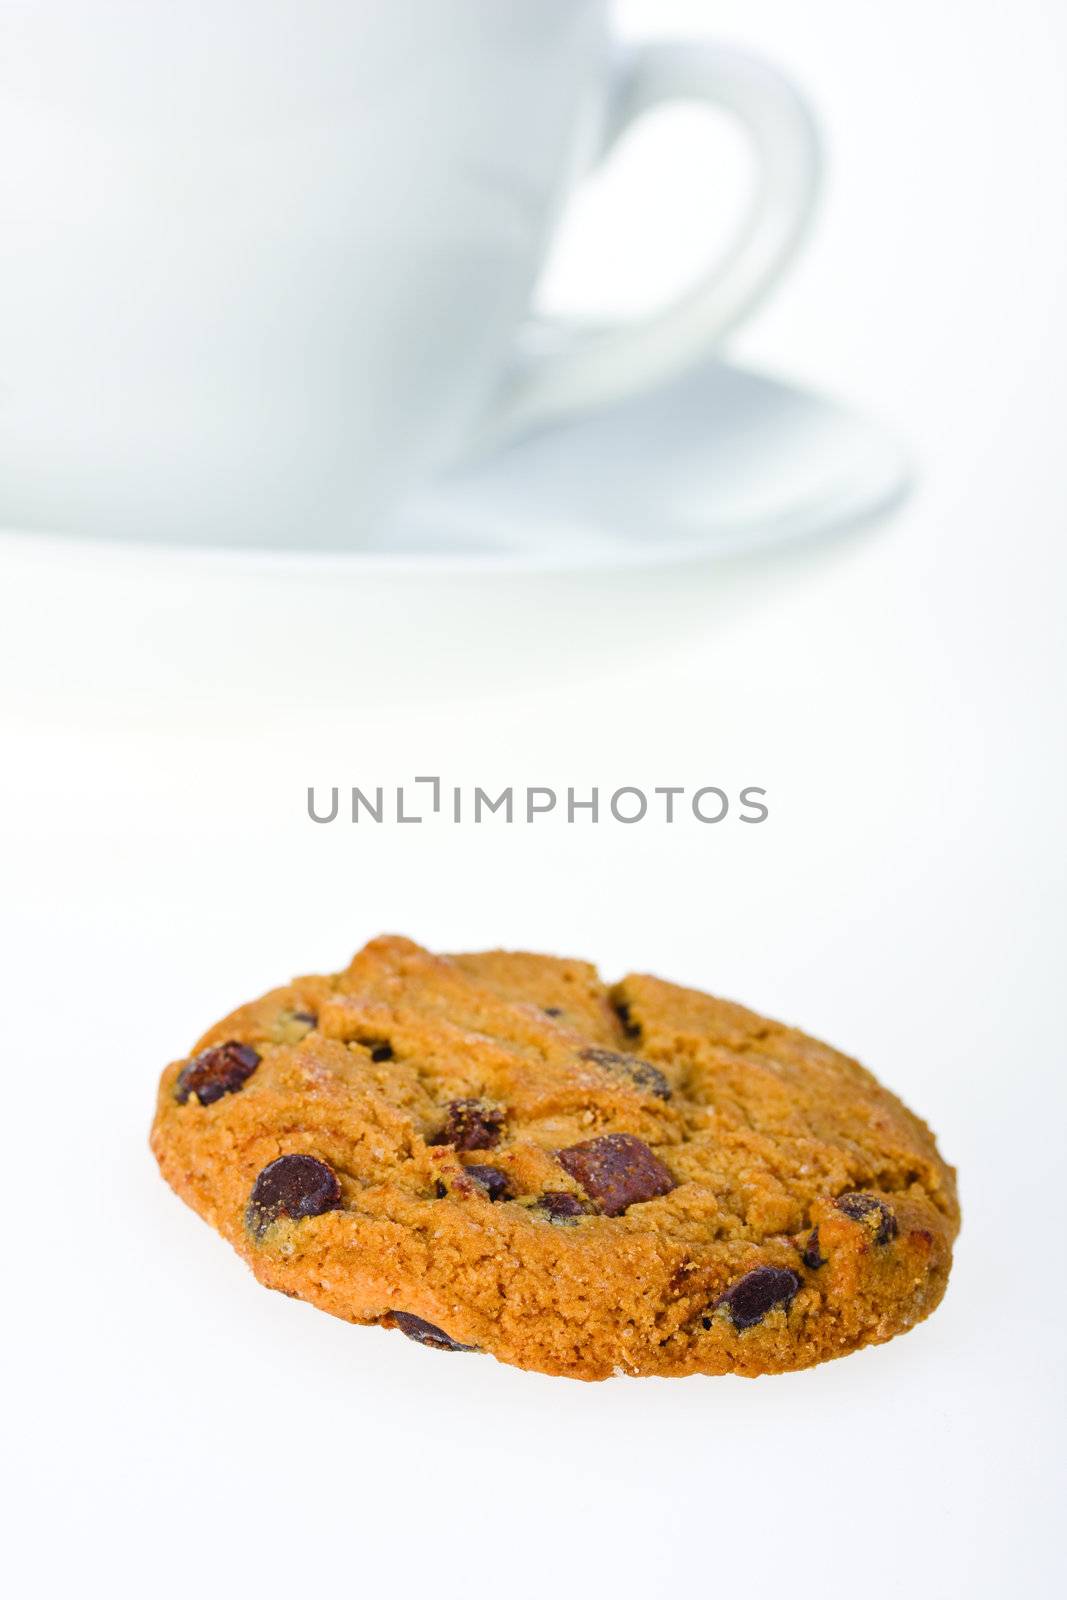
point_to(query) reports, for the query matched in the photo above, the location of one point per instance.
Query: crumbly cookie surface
(497, 1152)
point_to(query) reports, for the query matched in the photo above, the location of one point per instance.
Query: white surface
(173, 1428)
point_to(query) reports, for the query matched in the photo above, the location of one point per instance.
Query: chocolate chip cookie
(499, 1153)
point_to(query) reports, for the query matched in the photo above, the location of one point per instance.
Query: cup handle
(583, 370)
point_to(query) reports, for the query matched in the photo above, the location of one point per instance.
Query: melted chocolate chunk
(867, 1208)
(811, 1255)
(471, 1125)
(616, 1171)
(642, 1074)
(294, 1186)
(216, 1072)
(560, 1206)
(492, 1180)
(750, 1299)
(425, 1332)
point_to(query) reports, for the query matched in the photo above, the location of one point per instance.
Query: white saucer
(558, 559)
(720, 463)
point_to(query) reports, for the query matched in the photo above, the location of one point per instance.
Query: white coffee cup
(266, 263)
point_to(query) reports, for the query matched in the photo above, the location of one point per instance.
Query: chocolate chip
(471, 1125)
(640, 1073)
(425, 1332)
(294, 1186)
(750, 1299)
(874, 1212)
(560, 1206)
(379, 1049)
(616, 1171)
(553, 1011)
(216, 1072)
(306, 1016)
(811, 1255)
(440, 1190)
(622, 1011)
(492, 1180)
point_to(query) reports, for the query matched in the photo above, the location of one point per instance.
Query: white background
(175, 1430)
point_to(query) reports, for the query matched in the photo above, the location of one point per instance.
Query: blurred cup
(267, 263)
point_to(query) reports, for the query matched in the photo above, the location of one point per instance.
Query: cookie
(498, 1153)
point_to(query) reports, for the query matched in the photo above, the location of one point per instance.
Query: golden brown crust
(762, 1129)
